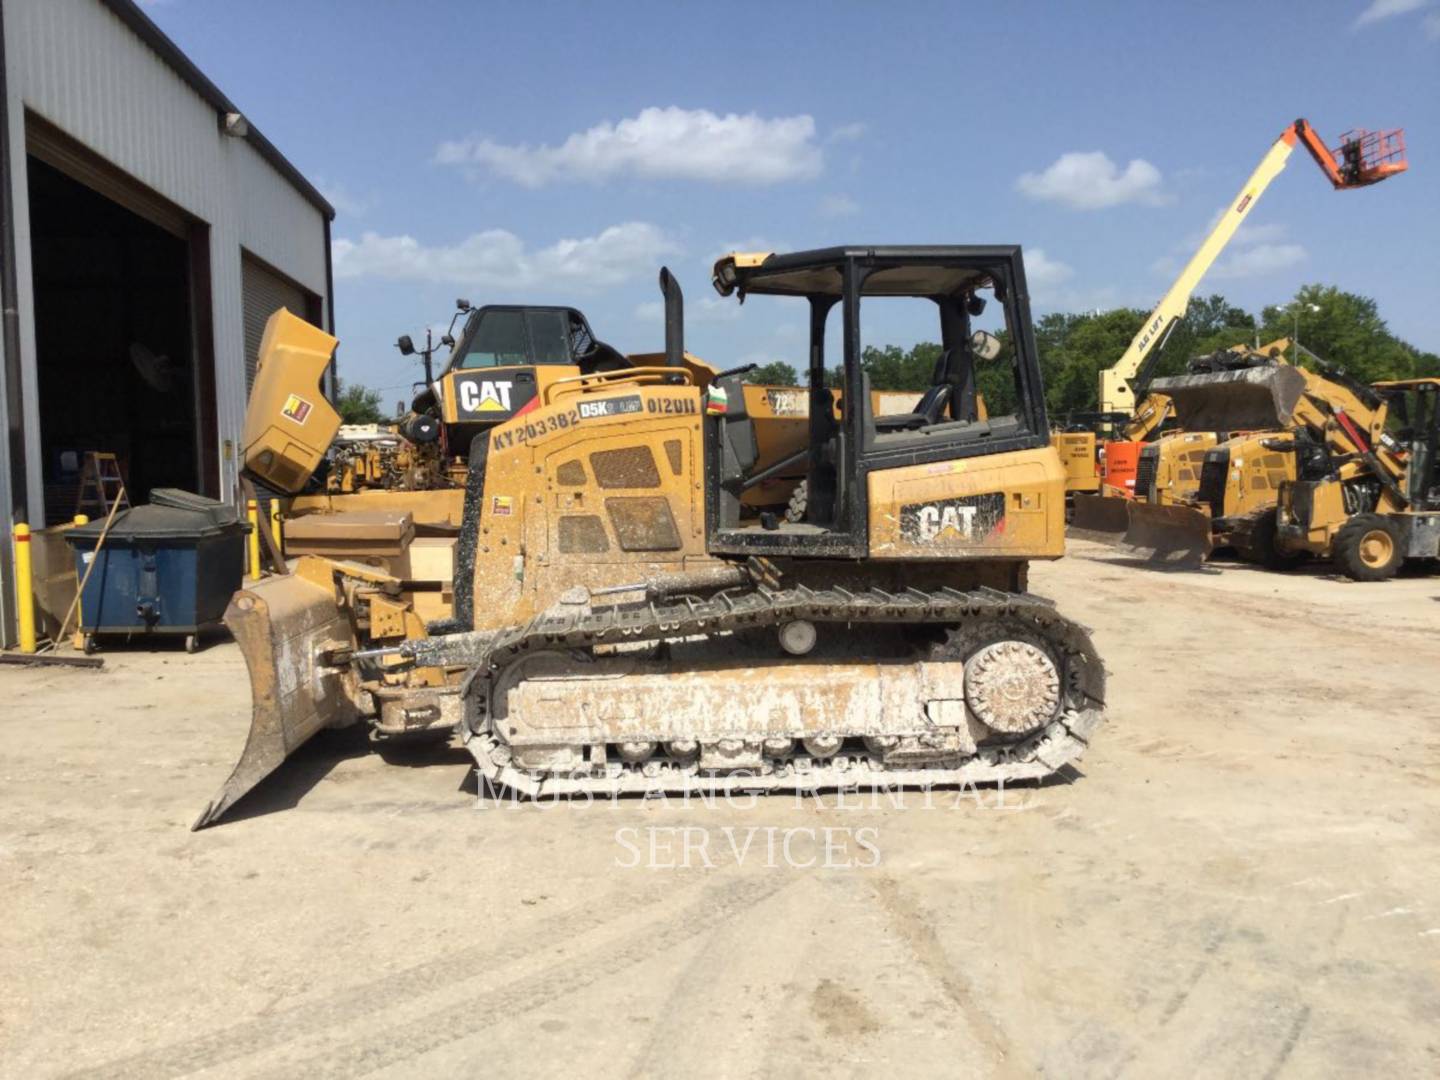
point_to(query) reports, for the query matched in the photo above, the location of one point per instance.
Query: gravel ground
(1240, 879)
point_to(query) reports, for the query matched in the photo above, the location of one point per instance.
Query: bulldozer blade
(1100, 517)
(1178, 536)
(1254, 399)
(286, 627)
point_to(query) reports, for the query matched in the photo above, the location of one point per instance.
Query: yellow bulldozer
(627, 618)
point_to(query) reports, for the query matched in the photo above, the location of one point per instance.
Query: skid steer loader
(626, 621)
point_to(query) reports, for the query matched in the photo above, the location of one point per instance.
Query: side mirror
(447, 341)
(985, 345)
(975, 305)
(405, 345)
(462, 304)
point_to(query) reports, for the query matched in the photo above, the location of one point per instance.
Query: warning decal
(296, 409)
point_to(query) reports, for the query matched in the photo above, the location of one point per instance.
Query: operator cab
(1413, 434)
(877, 294)
(505, 357)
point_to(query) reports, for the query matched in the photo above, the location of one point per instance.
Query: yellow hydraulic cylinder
(24, 587)
(252, 511)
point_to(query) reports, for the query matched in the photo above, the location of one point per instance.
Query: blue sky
(559, 153)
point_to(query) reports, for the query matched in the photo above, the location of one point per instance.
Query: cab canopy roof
(903, 270)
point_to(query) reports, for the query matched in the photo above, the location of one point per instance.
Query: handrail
(606, 380)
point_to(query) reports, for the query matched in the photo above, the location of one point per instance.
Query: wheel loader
(627, 620)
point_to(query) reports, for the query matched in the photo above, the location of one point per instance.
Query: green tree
(358, 404)
(1074, 348)
(777, 373)
(1346, 330)
(894, 368)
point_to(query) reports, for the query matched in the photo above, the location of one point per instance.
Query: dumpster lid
(220, 513)
(151, 522)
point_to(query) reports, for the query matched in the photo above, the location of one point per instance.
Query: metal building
(147, 231)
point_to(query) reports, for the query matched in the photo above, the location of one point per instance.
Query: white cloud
(1043, 273)
(346, 202)
(497, 258)
(658, 144)
(1257, 248)
(1257, 260)
(1091, 181)
(707, 309)
(847, 133)
(1386, 9)
(835, 206)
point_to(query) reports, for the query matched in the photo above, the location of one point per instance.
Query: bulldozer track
(1058, 743)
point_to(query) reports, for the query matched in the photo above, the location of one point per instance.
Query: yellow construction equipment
(1368, 490)
(627, 616)
(1362, 158)
(1228, 498)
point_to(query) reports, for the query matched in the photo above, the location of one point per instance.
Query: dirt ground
(1240, 880)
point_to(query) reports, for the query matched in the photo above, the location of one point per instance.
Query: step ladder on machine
(101, 485)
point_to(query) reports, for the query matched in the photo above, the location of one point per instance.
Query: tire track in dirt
(383, 1047)
(298, 1021)
(720, 958)
(919, 934)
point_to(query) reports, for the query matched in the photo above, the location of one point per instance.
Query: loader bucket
(1177, 536)
(284, 626)
(1100, 517)
(1253, 399)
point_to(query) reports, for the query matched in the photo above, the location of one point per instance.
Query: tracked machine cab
(630, 617)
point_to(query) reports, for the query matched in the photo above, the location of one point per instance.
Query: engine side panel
(596, 490)
(1003, 506)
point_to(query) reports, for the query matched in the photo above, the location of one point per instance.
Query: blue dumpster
(168, 567)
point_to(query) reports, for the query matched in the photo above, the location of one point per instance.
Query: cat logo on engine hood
(967, 519)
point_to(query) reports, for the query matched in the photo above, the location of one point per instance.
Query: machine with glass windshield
(503, 360)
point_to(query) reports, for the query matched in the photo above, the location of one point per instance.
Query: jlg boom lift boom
(1362, 158)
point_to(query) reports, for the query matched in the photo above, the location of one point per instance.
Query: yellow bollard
(252, 511)
(79, 519)
(24, 587)
(275, 529)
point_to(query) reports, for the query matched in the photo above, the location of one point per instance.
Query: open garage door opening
(114, 342)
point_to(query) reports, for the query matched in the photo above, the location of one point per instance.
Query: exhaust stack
(674, 319)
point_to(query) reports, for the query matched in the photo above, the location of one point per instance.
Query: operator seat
(931, 406)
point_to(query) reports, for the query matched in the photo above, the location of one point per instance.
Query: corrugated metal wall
(74, 63)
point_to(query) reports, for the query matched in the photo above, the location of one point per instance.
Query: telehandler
(624, 621)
